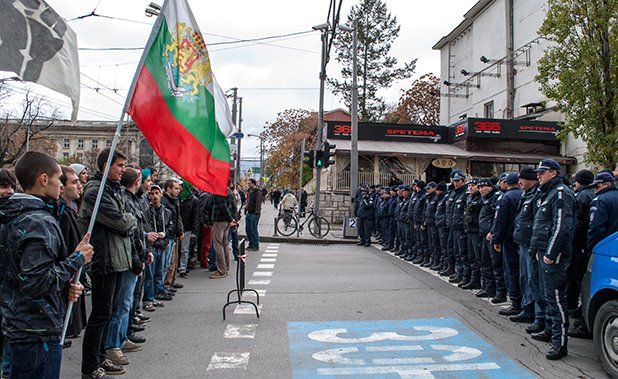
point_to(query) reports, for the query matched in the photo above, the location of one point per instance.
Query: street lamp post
(261, 157)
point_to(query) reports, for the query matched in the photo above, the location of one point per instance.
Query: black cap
(584, 177)
(485, 182)
(502, 176)
(458, 175)
(407, 188)
(441, 187)
(512, 178)
(431, 185)
(420, 184)
(547, 164)
(473, 181)
(603, 177)
(527, 172)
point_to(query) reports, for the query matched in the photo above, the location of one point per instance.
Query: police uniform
(433, 236)
(458, 236)
(471, 227)
(493, 269)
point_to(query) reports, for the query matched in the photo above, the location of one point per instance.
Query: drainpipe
(510, 74)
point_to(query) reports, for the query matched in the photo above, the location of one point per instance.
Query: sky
(271, 76)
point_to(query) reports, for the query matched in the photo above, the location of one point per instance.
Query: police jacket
(450, 200)
(603, 220)
(114, 225)
(488, 212)
(441, 210)
(504, 222)
(366, 208)
(419, 208)
(554, 221)
(430, 209)
(458, 206)
(472, 212)
(584, 198)
(173, 204)
(35, 269)
(403, 211)
(394, 208)
(385, 209)
(525, 216)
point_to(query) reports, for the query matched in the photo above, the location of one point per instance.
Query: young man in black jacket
(223, 217)
(252, 215)
(171, 201)
(36, 269)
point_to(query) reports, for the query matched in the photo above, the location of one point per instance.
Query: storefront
(480, 147)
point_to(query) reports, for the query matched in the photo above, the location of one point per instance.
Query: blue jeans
(234, 239)
(35, 360)
(154, 276)
(212, 258)
(119, 323)
(251, 224)
(185, 248)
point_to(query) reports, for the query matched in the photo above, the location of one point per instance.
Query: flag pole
(93, 218)
(97, 203)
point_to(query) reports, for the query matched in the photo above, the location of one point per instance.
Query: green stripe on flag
(197, 117)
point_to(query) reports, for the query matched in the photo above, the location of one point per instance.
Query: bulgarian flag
(177, 104)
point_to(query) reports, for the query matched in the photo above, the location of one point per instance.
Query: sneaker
(158, 304)
(217, 276)
(163, 296)
(138, 328)
(116, 357)
(136, 338)
(177, 285)
(131, 346)
(96, 374)
(184, 275)
(139, 321)
(149, 308)
(142, 317)
(556, 352)
(111, 368)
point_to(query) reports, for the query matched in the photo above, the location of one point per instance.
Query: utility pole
(234, 113)
(354, 111)
(237, 171)
(300, 181)
(318, 145)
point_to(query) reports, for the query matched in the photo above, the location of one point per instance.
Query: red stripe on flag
(172, 142)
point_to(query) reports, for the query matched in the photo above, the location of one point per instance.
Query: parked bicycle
(288, 223)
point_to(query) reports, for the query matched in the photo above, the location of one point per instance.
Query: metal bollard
(275, 225)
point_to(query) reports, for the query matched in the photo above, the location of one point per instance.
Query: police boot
(400, 253)
(419, 259)
(448, 271)
(464, 282)
(456, 278)
(410, 257)
(360, 243)
(472, 285)
(436, 265)
(513, 310)
(556, 352)
(426, 261)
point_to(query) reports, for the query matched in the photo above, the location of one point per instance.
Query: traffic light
(329, 151)
(319, 159)
(309, 158)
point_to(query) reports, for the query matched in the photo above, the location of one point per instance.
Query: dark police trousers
(554, 280)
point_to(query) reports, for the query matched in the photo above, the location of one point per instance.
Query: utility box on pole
(350, 227)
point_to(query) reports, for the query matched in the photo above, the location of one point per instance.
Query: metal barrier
(240, 282)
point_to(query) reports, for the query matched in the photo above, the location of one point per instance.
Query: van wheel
(606, 336)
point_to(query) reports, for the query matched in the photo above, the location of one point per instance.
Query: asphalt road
(338, 311)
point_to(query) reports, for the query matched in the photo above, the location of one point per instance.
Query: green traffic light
(318, 163)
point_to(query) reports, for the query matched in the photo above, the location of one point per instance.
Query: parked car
(600, 301)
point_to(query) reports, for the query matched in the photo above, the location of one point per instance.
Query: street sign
(238, 135)
(401, 348)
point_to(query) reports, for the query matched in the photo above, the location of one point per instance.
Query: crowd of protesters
(527, 235)
(147, 233)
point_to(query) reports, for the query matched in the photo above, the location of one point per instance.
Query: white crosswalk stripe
(228, 361)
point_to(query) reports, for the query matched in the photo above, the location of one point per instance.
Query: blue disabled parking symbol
(424, 348)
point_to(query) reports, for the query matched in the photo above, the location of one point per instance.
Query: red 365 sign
(491, 127)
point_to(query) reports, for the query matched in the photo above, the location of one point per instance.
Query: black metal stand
(240, 282)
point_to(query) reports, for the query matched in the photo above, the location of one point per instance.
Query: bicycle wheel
(286, 226)
(319, 227)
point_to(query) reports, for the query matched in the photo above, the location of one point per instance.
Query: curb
(305, 241)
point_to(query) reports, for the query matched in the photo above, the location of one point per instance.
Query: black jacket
(430, 209)
(223, 207)
(472, 211)
(525, 216)
(419, 208)
(173, 204)
(35, 269)
(603, 219)
(254, 201)
(504, 222)
(160, 220)
(487, 213)
(366, 208)
(458, 206)
(190, 212)
(441, 210)
(584, 197)
(554, 221)
(139, 252)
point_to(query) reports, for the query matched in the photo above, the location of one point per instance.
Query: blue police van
(600, 301)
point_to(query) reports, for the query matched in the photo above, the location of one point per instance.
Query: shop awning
(438, 150)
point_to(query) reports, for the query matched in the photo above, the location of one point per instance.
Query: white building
(489, 63)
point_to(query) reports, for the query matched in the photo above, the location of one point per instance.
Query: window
(95, 144)
(66, 143)
(65, 155)
(488, 109)
(108, 143)
(80, 143)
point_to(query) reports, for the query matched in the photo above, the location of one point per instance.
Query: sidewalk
(266, 229)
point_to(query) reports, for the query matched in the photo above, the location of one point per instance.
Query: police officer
(493, 270)
(412, 240)
(502, 239)
(366, 214)
(392, 227)
(440, 263)
(533, 304)
(401, 222)
(386, 218)
(603, 209)
(418, 221)
(396, 219)
(551, 243)
(471, 228)
(457, 236)
(430, 224)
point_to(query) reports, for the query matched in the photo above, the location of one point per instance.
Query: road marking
(265, 260)
(263, 273)
(274, 244)
(265, 266)
(240, 331)
(269, 255)
(228, 360)
(407, 349)
(262, 293)
(247, 309)
(261, 282)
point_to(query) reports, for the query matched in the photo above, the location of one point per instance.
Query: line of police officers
(511, 235)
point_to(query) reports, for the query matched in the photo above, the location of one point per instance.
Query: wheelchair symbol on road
(405, 349)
